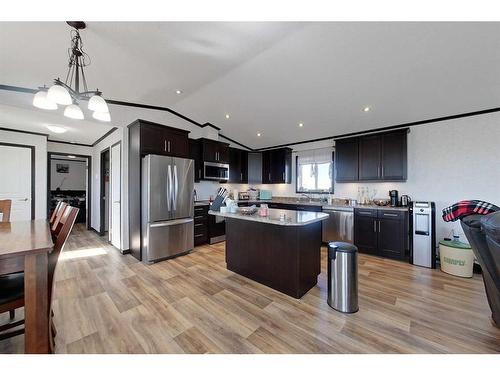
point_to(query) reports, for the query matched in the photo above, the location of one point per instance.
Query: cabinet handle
(165, 145)
(199, 235)
(393, 215)
(379, 226)
(284, 179)
(382, 171)
(197, 225)
(199, 217)
(269, 177)
(168, 146)
(241, 176)
(199, 173)
(378, 171)
(375, 226)
(365, 212)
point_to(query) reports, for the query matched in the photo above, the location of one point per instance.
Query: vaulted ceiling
(268, 77)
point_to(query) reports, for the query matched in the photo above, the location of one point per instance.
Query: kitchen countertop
(292, 218)
(323, 205)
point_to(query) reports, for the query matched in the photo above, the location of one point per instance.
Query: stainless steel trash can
(343, 277)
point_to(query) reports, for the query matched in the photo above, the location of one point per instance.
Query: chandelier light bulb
(98, 104)
(59, 95)
(102, 116)
(74, 112)
(40, 101)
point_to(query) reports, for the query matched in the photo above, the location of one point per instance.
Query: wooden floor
(110, 303)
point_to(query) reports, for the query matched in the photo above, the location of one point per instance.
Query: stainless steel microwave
(215, 171)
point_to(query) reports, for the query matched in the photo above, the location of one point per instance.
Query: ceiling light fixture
(68, 92)
(301, 124)
(178, 92)
(227, 115)
(56, 129)
(366, 109)
(258, 134)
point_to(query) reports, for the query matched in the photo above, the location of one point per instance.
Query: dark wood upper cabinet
(378, 157)
(163, 140)
(369, 158)
(394, 156)
(346, 160)
(195, 154)
(277, 166)
(238, 165)
(215, 151)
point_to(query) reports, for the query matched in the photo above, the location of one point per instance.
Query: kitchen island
(281, 253)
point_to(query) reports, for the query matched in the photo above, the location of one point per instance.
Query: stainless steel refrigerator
(167, 207)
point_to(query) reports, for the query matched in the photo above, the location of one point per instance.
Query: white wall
(40, 143)
(75, 179)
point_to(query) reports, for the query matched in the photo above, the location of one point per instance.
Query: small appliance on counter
(265, 194)
(393, 195)
(405, 201)
(243, 196)
(423, 232)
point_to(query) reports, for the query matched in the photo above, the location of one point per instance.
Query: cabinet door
(369, 158)
(394, 158)
(210, 150)
(195, 154)
(177, 144)
(365, 231)
(223, 153)
(235, 174)
(277, 166)
(391, 237)
(152, 140)
(346, 160)
(244, 167)
(266, 167)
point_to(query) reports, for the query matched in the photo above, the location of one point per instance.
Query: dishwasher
(340, 224)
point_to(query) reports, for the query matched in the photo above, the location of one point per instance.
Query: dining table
(25, 247)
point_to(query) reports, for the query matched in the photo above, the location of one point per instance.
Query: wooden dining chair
(55, 227)
(12, 286)
(5, 205)
(55, 212)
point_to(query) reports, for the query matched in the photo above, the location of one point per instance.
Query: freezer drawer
(167, 239)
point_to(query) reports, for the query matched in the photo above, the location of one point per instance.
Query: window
(315, 171)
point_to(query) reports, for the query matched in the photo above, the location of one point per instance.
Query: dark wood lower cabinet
(382, 232)
(200, 225)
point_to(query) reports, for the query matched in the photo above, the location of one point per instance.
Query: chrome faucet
(307, 196)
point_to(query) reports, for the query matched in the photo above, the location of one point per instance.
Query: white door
(15, 180)
(115, 195)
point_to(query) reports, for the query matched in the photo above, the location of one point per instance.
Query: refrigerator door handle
(176, 188)
(170, 222)
(169, 188)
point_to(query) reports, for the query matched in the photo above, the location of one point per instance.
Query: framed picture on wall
(62, 168)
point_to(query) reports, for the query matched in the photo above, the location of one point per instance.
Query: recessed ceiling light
(178, 92)
(72, 156)
(258, 134)
(366, 109)
(227, 115)
(56, 129)
(301, 124)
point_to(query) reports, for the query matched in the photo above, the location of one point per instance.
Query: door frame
(33, 172)
(89, 182)
(119, 143)
(102, 207)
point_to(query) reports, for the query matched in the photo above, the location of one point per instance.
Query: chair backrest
(5, 205)
(67, 220)
(55, 212)
(56, 226)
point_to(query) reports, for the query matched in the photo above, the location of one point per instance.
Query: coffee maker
(393, 194)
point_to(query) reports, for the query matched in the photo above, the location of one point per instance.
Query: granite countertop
(292, 218)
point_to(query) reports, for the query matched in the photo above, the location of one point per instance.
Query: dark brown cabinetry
(382, 232)
(163, 140)
(238, 165)
(147, 137)
(214, 151)
(346, 160)
(295, 207)
(277, 166)
(200, 225)
(195, 154)
(378, 157)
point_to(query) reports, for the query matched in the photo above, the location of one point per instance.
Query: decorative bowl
(381, 202)
(247, 210)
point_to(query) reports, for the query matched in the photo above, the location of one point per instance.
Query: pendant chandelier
(68, 93)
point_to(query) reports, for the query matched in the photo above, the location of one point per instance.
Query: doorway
(115, 195)
(104, 196)
(68, 180)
